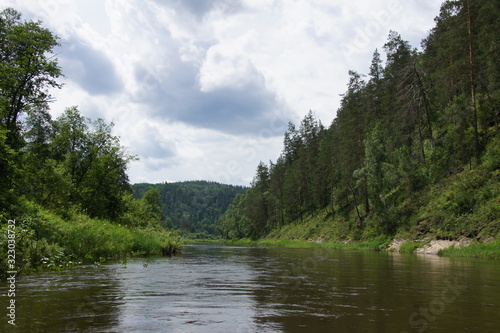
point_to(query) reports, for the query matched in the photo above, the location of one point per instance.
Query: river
(219, 288)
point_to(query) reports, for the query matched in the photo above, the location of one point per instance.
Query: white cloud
(228, 66)
(203, 90)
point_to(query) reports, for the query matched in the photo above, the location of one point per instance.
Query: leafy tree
(234, 223)
(153, 198)
(94, 161)
(8, 173)
(27, 70)
(144, 212)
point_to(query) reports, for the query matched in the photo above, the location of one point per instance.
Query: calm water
(216, 288)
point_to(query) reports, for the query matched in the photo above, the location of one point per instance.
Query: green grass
(378, 243)
(410, 246)
(476, 250)
(204, 240)
(273, 243)
(317, 226)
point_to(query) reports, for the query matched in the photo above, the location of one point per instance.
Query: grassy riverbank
(489, 250)
(46, 240)
(476, 250)
(379, 243)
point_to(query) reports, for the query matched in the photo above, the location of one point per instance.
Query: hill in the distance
(193, 207)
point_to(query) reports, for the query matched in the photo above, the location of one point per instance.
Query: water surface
(218, 288)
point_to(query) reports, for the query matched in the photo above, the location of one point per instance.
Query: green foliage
(8, 174)
(137, 213)
(68, 163)
(153, 199)
(94, 161)
(144, 212)
(466, 204)
(491, 157)
(27, 70)
(234, 224)
(410, 246)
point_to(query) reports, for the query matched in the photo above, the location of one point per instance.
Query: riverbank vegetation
(63, 181)
(489, 250)
(486, 250)
(414, 149)
(46, 240)
(375, 244)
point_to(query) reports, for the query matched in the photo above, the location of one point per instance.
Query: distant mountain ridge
(193, 207)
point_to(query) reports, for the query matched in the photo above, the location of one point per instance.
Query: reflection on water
(68, 301)
(216, 288)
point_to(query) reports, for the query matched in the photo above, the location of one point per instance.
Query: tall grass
(86, 237)
(47, 240)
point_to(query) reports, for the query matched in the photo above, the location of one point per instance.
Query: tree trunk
(360, 222)
(473, 82)
(423, 94)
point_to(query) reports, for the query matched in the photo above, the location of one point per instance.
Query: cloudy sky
(204, 89)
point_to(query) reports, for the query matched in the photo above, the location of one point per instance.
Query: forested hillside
(414, 148)
(193, 207)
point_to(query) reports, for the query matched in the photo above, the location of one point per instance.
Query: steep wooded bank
(193, 208)
(414, 148)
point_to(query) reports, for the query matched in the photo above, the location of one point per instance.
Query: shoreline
(462, 247)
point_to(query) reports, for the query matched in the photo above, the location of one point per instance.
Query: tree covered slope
(414, 148)
(193, 207)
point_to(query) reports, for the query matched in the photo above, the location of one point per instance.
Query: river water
(218, 288)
